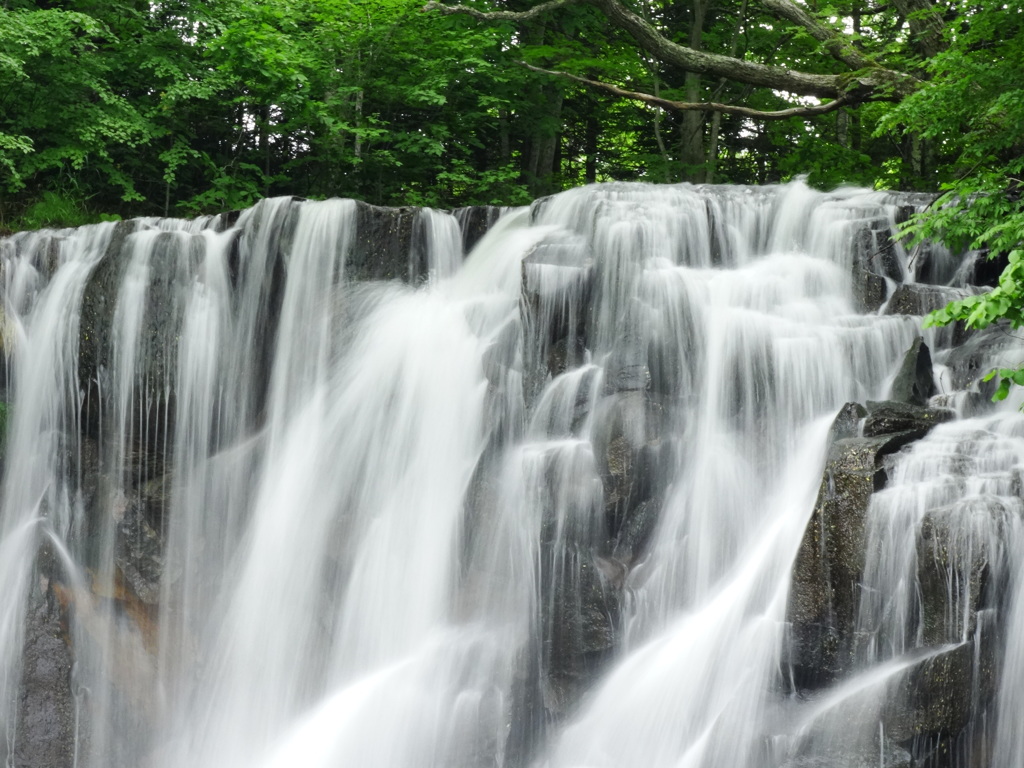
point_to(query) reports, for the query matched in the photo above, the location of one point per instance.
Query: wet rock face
(583, 616)
(869, 291)
(46, 705)
(914, 383)
(139, 552)
(823, 600)
(919, 299)
(383, 243)
(829, 567)
(967, 362)
(889, 418)
(557, 279)
(632, 460)
(876, 251)
(98, 304)
(934, 697)
(927, 708)
(475, 221)
(382, 249)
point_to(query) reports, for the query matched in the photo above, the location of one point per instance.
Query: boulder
(475, 221)
(823, 596)
(635, 532)
(829, 566)
(958, 561)
(933, 697)
(889, 418)
(869, 291)
(970, 361)
(876, 252)
(582, 624)
(45, 730)
(138, 546)
(914, 382)
(556, 285)
(383, 244)
(919, 299)
(631, 457)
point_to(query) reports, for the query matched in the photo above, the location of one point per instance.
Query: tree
(183, 107)
(949, 79)
(60, 114)
(972, 110)
(865, 78)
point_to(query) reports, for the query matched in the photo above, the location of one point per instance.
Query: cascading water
(542, 508)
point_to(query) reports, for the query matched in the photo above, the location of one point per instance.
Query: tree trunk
(658, 137)
(590, 149)
(843, 128)
(692, 145)
(712, 161)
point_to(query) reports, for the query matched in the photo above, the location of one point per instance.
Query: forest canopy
(126, 107)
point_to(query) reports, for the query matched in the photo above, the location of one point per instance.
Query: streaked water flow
(539, 507)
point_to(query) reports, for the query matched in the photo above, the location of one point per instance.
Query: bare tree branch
(537, 10)
(836, 45)
(704, 63)
(685, 106)
(926, 25)
(869, 83)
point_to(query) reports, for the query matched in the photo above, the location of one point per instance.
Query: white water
(387, 538)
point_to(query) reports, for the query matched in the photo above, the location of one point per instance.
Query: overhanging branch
(869, 81)
(706, 106)
(537, 10)
(837, 46)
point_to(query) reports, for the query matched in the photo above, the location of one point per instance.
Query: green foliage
(55, 210)
(58, 109)
(182, 107)
(972, 108)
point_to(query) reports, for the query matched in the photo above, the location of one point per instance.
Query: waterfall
(630, 480)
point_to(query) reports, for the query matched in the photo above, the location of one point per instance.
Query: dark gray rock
(919, 299)
(934, 696)
(890, 417)
(635, 533)
(631, 457)
(383, 244)
(876, 252)
(475, 221)
(564, 355)
(46, 705)
(628, 365)
(914, 382)
(823, 596)
(847, 422)
(986, 268)
(173, 256)
(98, 302)
(962, 575)
(581, 633)
(138, 547)
(970, 361)
(556, 284)
(954, 551)
(829, 566)
(869, 291)
(626, 369)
